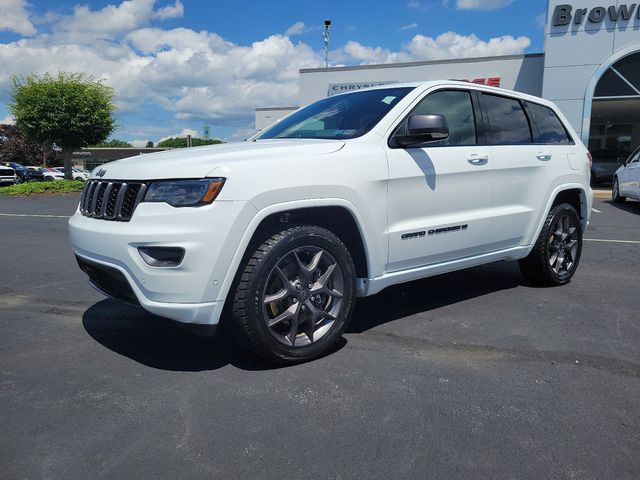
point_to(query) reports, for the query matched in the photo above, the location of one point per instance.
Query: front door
(439, 197)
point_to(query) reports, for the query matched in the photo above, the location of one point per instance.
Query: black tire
(554, 258)
(251, 312)
(615, 192)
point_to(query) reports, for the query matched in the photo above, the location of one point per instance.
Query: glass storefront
(615, 117)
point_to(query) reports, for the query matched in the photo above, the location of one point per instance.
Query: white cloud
(170, 11)
(15, 17)
(85, 25)
(454, 45)
(295, 29)
(241, 134)
(541, 20)
(138, 143)
(444, 46)
(482, 4)
(182, 134)
(411, 26)
(8, 120)
(418, 5)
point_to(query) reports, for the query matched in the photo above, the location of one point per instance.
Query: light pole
(325, 36)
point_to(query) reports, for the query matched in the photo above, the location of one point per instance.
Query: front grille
(111, 200)
(5, 172)
(108, 280)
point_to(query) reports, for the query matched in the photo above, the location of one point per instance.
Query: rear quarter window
(548, 127)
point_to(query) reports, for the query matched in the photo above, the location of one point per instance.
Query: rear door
(439, 194)
(526, 160)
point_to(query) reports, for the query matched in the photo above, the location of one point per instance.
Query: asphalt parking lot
(467, 375)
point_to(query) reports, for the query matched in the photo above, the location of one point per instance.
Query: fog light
(162, 256)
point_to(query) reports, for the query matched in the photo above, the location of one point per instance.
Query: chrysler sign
(565, 14)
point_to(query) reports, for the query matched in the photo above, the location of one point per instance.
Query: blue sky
(179, 64)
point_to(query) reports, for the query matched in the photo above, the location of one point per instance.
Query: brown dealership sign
(565, 14)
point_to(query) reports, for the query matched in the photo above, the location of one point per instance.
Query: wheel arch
(576, 197)
(337, 215)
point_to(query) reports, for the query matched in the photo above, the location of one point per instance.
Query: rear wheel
(556, 254)
(295, 296)
(615, 192)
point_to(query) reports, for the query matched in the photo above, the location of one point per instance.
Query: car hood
(198, 162)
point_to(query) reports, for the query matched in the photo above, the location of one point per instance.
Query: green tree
(114, 143)
(70, 110)
(149, 144)
(181, 142)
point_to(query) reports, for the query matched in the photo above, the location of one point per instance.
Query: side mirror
(423, 129)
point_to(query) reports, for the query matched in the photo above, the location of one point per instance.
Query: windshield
(340, 117)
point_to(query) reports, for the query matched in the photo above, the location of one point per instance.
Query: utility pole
(325, 37)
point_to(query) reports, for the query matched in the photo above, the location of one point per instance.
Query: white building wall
(517, 72)
(574, 53)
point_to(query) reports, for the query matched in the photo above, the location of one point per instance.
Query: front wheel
(615, 192)
(556, 254)
(295, 295)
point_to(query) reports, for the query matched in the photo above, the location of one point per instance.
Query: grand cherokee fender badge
(455, 228)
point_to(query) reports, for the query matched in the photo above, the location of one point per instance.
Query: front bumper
(188, 293)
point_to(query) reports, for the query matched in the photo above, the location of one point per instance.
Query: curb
(602, 194)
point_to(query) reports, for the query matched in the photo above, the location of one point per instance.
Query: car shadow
(423, 296)
(160, 343)
(631, 206)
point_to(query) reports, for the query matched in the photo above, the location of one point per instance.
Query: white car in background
(626, 180)
(7, 175)
(51, 174)
(78, 174)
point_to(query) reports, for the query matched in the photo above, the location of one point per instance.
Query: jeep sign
(564, 14)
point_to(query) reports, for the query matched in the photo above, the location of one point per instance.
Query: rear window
(549, 128)
(507, 120)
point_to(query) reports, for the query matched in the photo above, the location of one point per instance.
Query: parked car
(340, 199)
(23, 173)
(78, 174)
(52, 174)
(605, 163)
(626, 180)
(7, 175)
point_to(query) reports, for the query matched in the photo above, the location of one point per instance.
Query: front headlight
(185, 193)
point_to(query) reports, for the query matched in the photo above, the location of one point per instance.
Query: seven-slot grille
(111, 200)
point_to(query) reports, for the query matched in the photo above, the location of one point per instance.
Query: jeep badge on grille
(101, 173)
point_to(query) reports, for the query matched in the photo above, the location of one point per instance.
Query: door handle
(543, 156)
(478, 160)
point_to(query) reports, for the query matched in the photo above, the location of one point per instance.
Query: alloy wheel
(563, 245)
(302, 296)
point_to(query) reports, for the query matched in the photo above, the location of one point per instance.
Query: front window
(340, 117)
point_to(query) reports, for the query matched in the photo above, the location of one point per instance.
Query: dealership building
(590, 68)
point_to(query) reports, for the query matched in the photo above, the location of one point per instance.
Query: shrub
(37, 188)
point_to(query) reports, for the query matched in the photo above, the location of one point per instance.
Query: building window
(615, 114)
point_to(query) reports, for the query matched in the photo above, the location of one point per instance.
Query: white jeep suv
(340, 199)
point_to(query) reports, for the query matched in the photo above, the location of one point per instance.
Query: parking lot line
(32, 215)
(611, 241)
